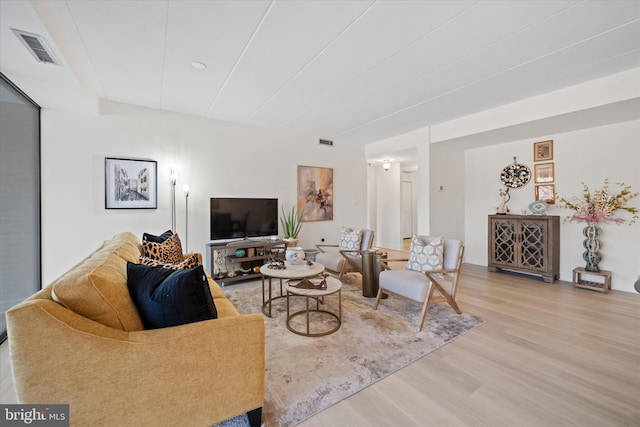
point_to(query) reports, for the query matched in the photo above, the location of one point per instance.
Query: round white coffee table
(333, 286)
(292, 271)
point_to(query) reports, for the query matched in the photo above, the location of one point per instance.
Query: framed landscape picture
(130, 184)
(315, 193)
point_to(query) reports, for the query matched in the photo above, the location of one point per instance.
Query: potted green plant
(291, 224)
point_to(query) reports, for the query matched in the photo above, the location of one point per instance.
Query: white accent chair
(340, 260)
(428, 287)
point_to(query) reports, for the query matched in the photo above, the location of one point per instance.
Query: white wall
(223, 159)
(215, 158)
(388, 228)
(440, 212)
(447, 214)
(471, 183)
(424, 183)
(411, 177)
(588, 155)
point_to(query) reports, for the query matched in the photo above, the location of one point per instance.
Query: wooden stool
(578, 282)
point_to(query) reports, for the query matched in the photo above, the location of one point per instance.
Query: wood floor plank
(547, 355)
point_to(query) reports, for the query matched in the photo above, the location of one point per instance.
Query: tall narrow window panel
(19, 198)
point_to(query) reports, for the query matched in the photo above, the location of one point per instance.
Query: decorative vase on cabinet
(529, 243)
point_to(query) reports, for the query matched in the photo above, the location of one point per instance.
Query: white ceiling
(353, 71)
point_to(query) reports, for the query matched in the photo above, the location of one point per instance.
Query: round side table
(292, 271)
(333, 286)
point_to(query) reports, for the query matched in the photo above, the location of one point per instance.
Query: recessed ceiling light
(198, 65)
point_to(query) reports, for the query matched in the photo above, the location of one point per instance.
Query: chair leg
(425, 307)
(375, 306)
(342, 270)
(423, 315)
(449, 298)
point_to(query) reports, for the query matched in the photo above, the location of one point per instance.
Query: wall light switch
(441, 188)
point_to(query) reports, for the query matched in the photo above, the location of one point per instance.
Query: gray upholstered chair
(426, 287)
(347, 256)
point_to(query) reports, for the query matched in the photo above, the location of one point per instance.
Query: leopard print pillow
(191, 261)
(169, 251)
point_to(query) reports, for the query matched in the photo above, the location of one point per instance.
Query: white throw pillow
(425, 256)
(350, 238)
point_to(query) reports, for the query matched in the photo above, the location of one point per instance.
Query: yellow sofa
(81, 342)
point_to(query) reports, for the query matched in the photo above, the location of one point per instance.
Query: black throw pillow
(157, 239)
(167, 298)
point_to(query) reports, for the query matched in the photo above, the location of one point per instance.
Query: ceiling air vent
(37, 46)
(326, 142)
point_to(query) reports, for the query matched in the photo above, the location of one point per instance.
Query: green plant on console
(291, 223)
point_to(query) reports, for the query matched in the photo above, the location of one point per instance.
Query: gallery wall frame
(130, 183)
(543, 151)
(315, 193)
(543, 173)
(546, 192)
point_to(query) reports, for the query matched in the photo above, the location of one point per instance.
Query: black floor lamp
(173, 200)
(186, 211)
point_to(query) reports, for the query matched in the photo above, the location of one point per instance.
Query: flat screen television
(239, 218)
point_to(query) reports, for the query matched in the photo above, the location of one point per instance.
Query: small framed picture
(130, 184)
(546, 192)
(543, 151)
(543, 172)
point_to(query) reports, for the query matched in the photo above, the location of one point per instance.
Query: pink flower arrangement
(600, 206)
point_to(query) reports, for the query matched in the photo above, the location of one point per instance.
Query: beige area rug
(305, 375)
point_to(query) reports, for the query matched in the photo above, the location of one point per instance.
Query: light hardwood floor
(547, 355)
